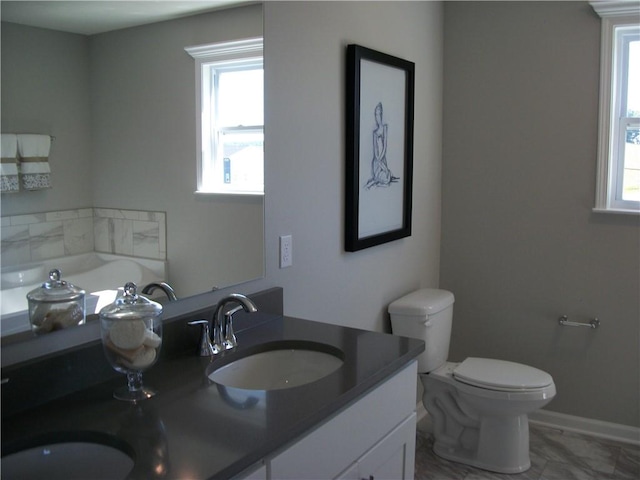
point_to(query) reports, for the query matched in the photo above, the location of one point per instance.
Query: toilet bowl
(479, 407)
(485, 426)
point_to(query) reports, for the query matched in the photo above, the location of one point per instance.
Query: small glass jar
(55, 305)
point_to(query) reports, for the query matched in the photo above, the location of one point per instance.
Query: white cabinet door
(330, 450)
(393, 457)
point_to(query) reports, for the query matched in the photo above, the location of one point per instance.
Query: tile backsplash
(40, 236)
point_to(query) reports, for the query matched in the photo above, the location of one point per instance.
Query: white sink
(68, 461)
(276, 369)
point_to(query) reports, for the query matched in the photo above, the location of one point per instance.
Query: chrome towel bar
(564, 320)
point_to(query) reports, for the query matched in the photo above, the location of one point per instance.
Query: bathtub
(99, 275)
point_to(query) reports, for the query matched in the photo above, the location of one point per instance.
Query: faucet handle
(229, 341)
(206, 348)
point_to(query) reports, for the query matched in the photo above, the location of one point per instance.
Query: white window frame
(235, 54)
(612, 126)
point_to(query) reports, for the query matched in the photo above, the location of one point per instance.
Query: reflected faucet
(164, 286)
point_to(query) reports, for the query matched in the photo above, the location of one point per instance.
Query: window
(230, 117)
(618, 184)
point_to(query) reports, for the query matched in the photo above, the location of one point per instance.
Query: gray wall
(144, 146)
(520, 244)
(305, 51)
(36, 63)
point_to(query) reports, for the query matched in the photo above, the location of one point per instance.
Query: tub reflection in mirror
(121, 108)
(101, 276)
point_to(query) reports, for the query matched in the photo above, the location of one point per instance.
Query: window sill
(201, 193)
(618, 211)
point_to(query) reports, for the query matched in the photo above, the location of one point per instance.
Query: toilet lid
(500, 375)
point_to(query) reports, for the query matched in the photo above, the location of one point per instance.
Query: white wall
(305, 51)
(520, 244)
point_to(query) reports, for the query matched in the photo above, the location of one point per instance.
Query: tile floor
(555, 455)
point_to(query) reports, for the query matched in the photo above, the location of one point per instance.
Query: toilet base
(456, 457)
(487, 429)
(503, 446)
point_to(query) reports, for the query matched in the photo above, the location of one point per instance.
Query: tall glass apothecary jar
(131, 329)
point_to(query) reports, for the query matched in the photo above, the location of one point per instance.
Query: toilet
(479, 407)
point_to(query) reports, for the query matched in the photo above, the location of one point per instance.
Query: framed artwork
(379, 173)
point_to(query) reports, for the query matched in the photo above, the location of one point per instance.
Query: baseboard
(562, 421)
(587, 426)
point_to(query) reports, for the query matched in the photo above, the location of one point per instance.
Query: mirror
(120, 106)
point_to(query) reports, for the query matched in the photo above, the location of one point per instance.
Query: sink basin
(279, 367)
(68, 460)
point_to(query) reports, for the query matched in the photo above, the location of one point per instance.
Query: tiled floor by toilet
(555, 455)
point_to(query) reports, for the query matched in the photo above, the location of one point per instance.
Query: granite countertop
(196, 429)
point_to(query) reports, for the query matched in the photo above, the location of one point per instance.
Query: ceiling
(89, 17)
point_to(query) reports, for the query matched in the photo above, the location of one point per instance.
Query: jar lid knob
(130, 294)
(55, 274)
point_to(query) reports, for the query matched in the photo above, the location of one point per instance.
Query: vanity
(358, 421)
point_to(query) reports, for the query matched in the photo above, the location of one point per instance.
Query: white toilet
(479, 407)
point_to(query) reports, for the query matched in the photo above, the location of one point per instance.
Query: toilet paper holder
(564, 320)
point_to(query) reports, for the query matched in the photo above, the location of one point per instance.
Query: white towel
(32, 145)
(9, 163)
(8, 145)
(34, 161)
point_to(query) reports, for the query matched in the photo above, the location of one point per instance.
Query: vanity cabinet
(371, 438)
(357, 423)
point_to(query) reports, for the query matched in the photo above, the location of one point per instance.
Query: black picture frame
(379, 148)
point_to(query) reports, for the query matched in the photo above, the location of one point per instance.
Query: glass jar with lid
(131, 336)
(55, 305)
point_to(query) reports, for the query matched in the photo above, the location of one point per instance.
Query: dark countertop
(196, 429)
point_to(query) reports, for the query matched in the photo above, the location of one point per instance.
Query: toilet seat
(501, 375)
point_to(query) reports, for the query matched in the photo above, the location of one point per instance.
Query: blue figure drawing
(381, 175)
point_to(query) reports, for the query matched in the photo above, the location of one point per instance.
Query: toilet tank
(425, 314)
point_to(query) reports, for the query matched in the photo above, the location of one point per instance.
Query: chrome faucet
(217, 335)
(164, 286)
(223, 322)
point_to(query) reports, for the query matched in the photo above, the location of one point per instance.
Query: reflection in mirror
(120, 109)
